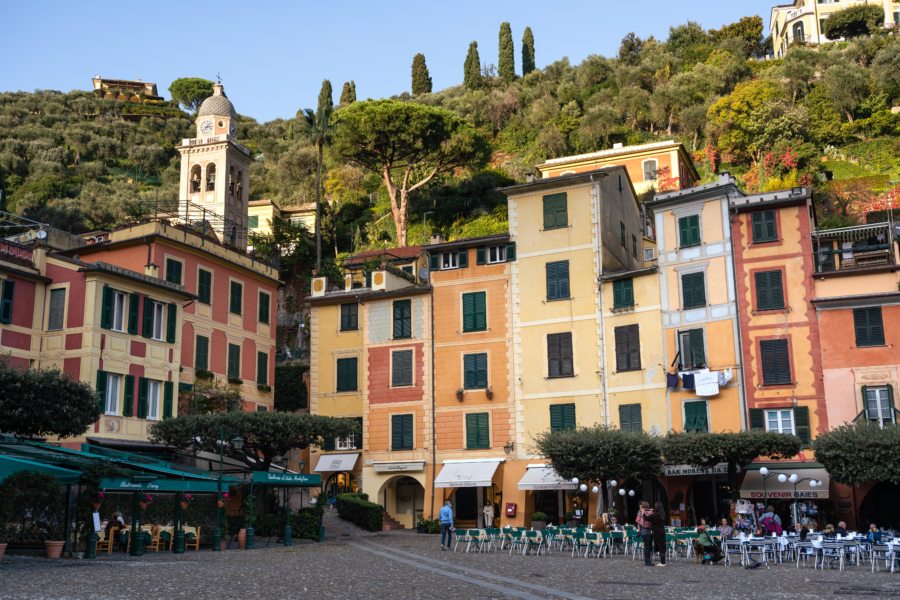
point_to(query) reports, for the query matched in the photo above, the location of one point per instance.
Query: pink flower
(224, 494)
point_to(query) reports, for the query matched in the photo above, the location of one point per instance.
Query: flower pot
(2, 550)
(242, 538)
(184, 505)
(54, 548)
(220, 503)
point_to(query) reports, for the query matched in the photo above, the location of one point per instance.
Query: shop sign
(785, 494)
(398, 467)
(688, 470)
(277, 478)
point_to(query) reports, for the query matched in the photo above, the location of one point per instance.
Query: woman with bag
(645, 524)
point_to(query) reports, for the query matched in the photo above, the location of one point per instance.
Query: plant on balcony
(203, 374)
(235, 381)
(263, 387)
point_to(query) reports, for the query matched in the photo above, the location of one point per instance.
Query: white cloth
(725, 375)
(706, 383)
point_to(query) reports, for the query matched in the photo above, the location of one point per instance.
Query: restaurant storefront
(468, 484)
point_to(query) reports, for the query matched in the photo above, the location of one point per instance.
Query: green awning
(13, 464)
(286, 479)
(122, 484)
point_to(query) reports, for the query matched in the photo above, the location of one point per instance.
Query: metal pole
(288, 541)
(217, 532)
(178, 535)
(136, 536)
(250, 532)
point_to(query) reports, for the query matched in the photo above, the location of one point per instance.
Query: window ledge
(464, 331)
(348, 329)
(337, 392)
(559, 376)
(621, 309)
(694, 307)
(628, 370)
(774, 242)
(871, 345)
(771, 311)
(556, 227)
(558, 300)
(770, 386)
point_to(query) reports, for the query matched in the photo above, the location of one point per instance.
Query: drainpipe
(739, 356)
(433, 419)
(598, 252)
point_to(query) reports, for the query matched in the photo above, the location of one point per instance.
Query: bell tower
(215, 169)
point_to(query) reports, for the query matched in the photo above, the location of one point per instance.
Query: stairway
(390, 523)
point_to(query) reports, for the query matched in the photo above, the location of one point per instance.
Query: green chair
(533, 540)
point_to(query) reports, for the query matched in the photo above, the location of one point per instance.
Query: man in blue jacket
(446, 518)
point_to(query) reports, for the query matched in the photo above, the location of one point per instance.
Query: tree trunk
(671, 118)
(849, 115)
(319, 210)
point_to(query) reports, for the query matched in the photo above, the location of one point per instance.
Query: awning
(12, 464)
(121, 484)
(330, 463)
(467, 473)
(280, 478)
(544, 477)
(752, 488)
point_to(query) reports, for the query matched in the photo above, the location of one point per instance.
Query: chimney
(436, 238)
(725, 177)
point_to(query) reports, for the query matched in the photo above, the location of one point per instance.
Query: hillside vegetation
(818, 117)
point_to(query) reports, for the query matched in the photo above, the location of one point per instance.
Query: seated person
(841, 529)
(828, 532)
(802, 531)
(614, 524)
(708, 546)
(874, 535)
(725, 529)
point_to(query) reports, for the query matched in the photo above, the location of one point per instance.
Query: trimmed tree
(736, 449)
(506, 63)
(859, 453)
(421, 79)
(45, 402)
(348, 93)
(407, 144)
(472, 68)
(319, 124)
(527, 52)
(190, 92)
(854, 21)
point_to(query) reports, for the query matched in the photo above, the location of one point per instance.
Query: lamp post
(238, 443)
(796, 480)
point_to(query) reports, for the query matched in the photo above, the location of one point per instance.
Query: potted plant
(185, 501)
(55, 541)
(570, 518)
(220, 502)
(460, 393)
(97, 501)
(539, 520)
(39, 498)
(145, 500)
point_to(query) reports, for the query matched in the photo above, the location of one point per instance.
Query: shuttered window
(783, 420)
(558, 280)
(134, 309)
(236, 298)
(349, 317)
(475, 371)
(764, 226)
(628, 348)
(776, 364)
(559, 355)
(695, 416)
(401, 432)
(555, 211)
(562, 417)
(478, 431)
(868, 325)
(401, 368)
(689, 231)
(402, 319)
(769, 290)
(128, 397)
(57, 309)
(204, 286)
(168, 399)
(690, 345)
(201, 354)
(234, 361)
(6, 300)
(173, 271)
(262, 368)
(623, 293)
(630, 417)
(879, 404)
(693, 290)
(264, 309)
(474, 311)
(171, 322)
(346, 374)
(802, 428)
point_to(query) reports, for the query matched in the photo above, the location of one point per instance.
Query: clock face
(233, 128)
(206, 127)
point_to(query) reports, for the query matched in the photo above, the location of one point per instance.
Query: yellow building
(803, 21)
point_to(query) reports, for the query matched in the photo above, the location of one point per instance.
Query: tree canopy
(860, 453)
(472, 68)
(600, 453)
(348, 93)
(527, 52)
(854, 21)
(190, 92)
(506, 63)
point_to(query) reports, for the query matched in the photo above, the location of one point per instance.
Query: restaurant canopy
(10, 465)
(467, 473)
(753, 487)
(544, 477)
(330, 463)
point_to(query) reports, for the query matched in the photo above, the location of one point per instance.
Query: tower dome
(217, 104)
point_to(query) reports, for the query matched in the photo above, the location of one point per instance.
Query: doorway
(466, 504)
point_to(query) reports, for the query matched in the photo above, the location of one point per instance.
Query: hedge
(306, 522)
(359, 511)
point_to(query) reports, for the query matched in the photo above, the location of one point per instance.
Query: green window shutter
(776, 364)
(689, 231)
(556, 417)
(759, 231)
(407, 441)
(479, 255)
(559, 354)
(511, 252)
(128, 402)
(6, 301)
(757, 419)
(477, 431)
(569, 416)
(262, 368)
(484, 433)
(630, 417)
(329, 443)
(168, 393)
(869, 326)
(769, 290)
(201, 354)
(236, 298)
(764, 226)
(204, 286)
(147, 330)
(173, 271)
(471, 431)
(402, 368)
(402, 319)
(101, 391)
(801, 425)
(623, 293)
(106, 308)
(435, 262)
(396, 432)
(474, 311)
(557, 274)
(171, 322)
(468, 306)
(143, 386)
(346, 375)
(555, 211)
(695, 416)
(134, 307)
(463, 259)
(475, 375)
(698, 352)
(234, 361)
(264, 308)
(693, 290)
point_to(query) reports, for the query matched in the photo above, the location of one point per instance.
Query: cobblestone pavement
(401, 565)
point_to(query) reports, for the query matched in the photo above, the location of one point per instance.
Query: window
(769, 290)
(401, 432)
(118, 318)
(691, 348)
(57, 309)
(349, 317)
(408, 269)
(478, 431)
(201, 354)
(173, 271)
(879, 404)
(764, 227)
(623, 293)
(112, 309)
(204, 286)
(496, 254)
(562, 417)
(630, 417)
(623, 236)
(475, 371)
(555, 211)
(111, 396)
(234, 361)
(689, 231)
(236, 298)
(868, 326)
(628, 348)
(253, 222)
(776, 364)
(401, 368)
(558, 280)
(402, 319)
(346, 374)
(780, 421)
(693, 290)
(650, 170)
(262, 368)
(449, 260)
(158, 312)
(559, 355)
(695, 418)
(7, 288)
(264, 309)
(474, 311)
(634, 246)
(153, 389)
(349, 442)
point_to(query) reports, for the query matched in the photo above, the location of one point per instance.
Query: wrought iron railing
(850, 248)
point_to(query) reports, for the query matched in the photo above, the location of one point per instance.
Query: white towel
(706, 383)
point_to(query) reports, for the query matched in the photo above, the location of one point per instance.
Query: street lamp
(796, 480)
(238, 443)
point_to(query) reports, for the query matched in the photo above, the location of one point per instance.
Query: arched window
(231, 181)
(798, 32)
(195, 179)
(650, 170)
(211, 177)
(240, 185)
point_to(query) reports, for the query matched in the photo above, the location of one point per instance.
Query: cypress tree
(421, 80)
(348, 93)
(320, 133)
(506, 65)
(527, 52)
(472, 68)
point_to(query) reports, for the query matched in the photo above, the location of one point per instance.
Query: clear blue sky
(273, 55)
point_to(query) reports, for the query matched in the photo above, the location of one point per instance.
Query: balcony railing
(854, 248)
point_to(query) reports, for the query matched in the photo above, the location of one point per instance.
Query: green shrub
(429, 525)
(306, 522)
(539, 516)
(854, 22)
(359, 511)
(268, 525)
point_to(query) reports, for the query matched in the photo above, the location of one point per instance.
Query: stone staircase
(391, 524)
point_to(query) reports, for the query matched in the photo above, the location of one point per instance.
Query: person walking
(446, 519)
(657, 519)
(646, 531)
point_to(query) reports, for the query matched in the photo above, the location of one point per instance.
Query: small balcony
(856, 248)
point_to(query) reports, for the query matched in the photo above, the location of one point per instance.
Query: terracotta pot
(242, 538)
(184, 505)
(2, 550)
(54, 548)
(220, 503)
